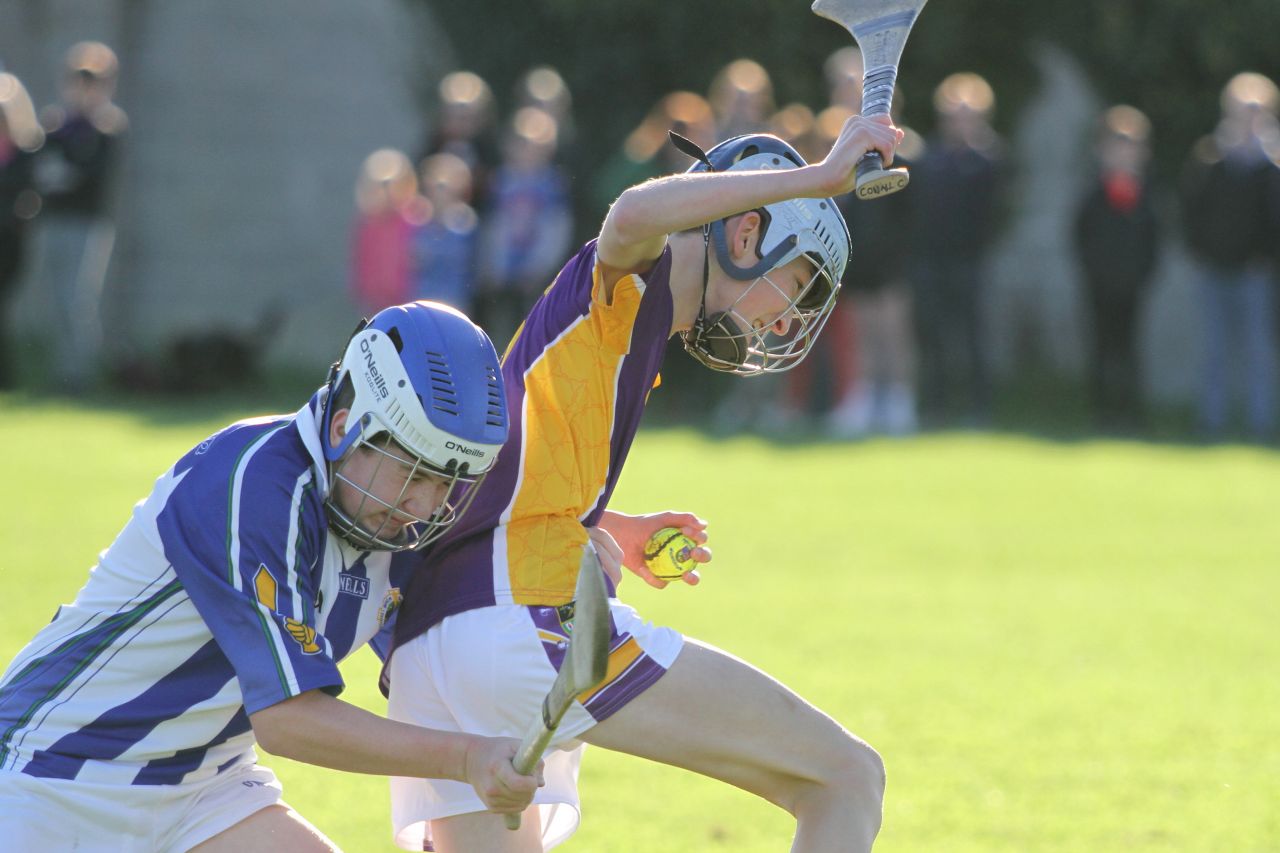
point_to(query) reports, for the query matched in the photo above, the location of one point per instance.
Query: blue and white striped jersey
(224, 594)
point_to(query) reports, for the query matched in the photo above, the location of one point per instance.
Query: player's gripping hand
(632, 532)
(609, 553)
(859, 135)
(490, 770)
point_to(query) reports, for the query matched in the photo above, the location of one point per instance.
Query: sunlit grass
(1054, 646)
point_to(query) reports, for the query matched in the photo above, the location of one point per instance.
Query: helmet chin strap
(717, 341)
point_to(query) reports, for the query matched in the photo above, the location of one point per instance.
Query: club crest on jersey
(305, 635)
(390, 603)
(349, 584)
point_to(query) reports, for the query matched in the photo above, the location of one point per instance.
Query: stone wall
(248, 122)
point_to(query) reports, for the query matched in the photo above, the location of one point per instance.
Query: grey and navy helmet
(424, 389)
(800, 227)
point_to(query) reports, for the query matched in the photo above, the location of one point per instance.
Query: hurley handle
(873, 180)
(532, 745)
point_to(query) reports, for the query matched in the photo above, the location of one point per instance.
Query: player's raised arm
(636, 227)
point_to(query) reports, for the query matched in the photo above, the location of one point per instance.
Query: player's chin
(388, 529)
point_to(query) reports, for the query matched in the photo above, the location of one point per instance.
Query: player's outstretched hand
(632, 532)
(859, 135)
(490, 771)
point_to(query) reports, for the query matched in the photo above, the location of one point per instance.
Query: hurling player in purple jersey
(217, 618)
(742, 257)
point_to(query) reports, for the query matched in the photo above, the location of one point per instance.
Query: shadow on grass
(1036, 405)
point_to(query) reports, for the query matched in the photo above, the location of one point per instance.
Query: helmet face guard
(726, 342)
(812, 228)
(423, 390)
(399, 529)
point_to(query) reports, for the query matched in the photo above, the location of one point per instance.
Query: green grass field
(1055, 646)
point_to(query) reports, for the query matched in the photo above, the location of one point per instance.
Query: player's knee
(861, 774)
(853, 778)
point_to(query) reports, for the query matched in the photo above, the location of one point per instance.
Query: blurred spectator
(20, 137)
(465, 128)
(797, 124)
(878, 393)
(74, 173)
(529, 223)
(843, 70)
(776, 403)
(543, 87)
(647, 151)
(954, 190)
(876, 365)
(1231, 230)
(444, 246)
(1116, 238)
(741, 96)
(871, 337)
(389, 210)
(833, 354)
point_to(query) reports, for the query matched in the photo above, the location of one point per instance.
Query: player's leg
(899, 359)
(487, 831)
(1215, 296)
(241, 811)
(269, 830)
(1258, 319)
(718, 716)
(484, 671)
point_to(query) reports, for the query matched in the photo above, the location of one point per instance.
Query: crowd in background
(481, 215)
(57, 167)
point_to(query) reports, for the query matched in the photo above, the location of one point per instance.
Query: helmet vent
(824, 234)
(394, 334)
(495, 413)
(444, 394)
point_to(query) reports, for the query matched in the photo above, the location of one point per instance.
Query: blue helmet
(799, 227)
(424, 389)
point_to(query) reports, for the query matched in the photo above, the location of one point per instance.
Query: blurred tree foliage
(1168, 57)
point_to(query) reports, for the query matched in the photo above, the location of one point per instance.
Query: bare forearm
(639, 221)
(316, 728)
(678, 202)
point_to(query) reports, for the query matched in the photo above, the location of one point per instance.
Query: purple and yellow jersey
(578, 374)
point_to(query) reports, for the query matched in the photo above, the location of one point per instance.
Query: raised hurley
(880, 27)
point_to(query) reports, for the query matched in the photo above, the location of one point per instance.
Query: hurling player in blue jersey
(218, 616)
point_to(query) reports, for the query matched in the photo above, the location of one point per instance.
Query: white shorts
(88, 817)
(486, 672)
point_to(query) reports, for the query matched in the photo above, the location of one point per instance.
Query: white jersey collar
(309, 420)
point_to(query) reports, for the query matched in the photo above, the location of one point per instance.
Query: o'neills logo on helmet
(377, 384)
(463, 449)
